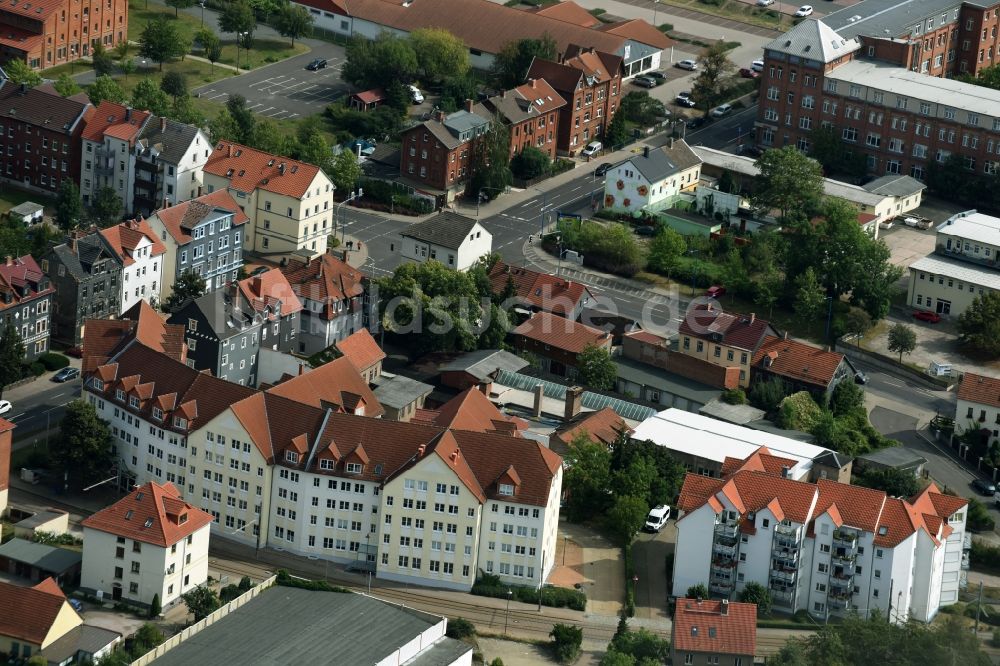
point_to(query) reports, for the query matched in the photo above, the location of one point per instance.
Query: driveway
(907, 244)
(286, 89)
(649, 555)
(601, 568)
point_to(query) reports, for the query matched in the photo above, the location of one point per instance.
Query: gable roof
(268, 290)
(895, 185)
(734, 330)
(325, 279)
(798, 361)
(152, 514)
(716, 627)
(602, 426)
(170, 140)
(337, 384)
(28, 613)
(117, 121)
(539, 290)
(560, 332)
(979, 389)
(526, 102)
(638, 30)
(446, 229)
(20, 279)
(472, 410)
(81, 253)
(102, 338)
(42, 105)
(750, 490)
(815, 40)
(481, 363)
(248, 169)
(859, 507)
(181, 218)
(568, 12)
(362, 350)
(124, 238)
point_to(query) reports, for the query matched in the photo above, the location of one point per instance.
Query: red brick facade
(54, 32)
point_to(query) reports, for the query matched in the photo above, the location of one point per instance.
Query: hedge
(489, 585)
(984, 557)
(287, 580)
(53, 361)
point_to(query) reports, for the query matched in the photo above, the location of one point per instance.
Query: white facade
(141, 281)
(627, 189)
(185, 179)
(477, 244)
(108, 163)
(977, 416)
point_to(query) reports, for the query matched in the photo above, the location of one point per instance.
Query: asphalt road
(41, 410)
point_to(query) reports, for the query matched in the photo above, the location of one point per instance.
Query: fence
(208, 621)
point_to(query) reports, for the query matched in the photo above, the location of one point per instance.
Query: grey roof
(86, 638)
(47, 558)
(89, 249)
(896, 185)
(446, 229)
(41, 106)
(767, 426)
(27, 208)
(813, 39)
(894, 456)
(464, 121)
(398, 391)
(972, 225)
(172, 142)
(959, 270)
(36, 519)
(484, 362)
(738, 414)
(832, 459)
(657, 164)
(658, 379)
(875, 17)
(285, 625)
(216, 307)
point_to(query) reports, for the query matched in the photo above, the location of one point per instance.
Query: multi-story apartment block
(530, 112)
(140, 253)
(964, 266)
(87, 277)
(169, 159)
(879, 82)
(151, 543)
(109, 151)
(722, 338)
(55, 33)
(437, 153)
(289, 203)
(40, 135)
(978, 406)
(825, 548)
(26, 302)
(332, 293)
(409, 501)
(204, 235)
(590, 81)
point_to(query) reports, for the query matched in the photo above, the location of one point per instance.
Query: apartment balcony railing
(721, 587)
(965, 561)
(786, 554)
(782, 596)
(787, 530)
(838, 602)
(842, 580)
(843, 559)
(726, 530)
(967, 541)
(723, 564)
(786, 540)
(784, 575)
(723, 549)
(845, 539)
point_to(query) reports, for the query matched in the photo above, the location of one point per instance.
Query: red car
(928, 316)
(75, 352)
(715, 291)
(747, 73)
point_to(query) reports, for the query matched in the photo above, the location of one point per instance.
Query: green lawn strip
(77, 67)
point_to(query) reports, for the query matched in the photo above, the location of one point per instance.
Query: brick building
(590, 81)
(530, 112)
(55, 32)
(40, 135)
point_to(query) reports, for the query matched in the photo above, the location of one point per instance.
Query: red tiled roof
(980, 389)
(639, 31)
(181, 218)
(37, 10)
(533, 463)
(103, 337)
(797, 360)
(270, 288)
(472, 410)
(736, 330)
(361, 348)
(541, 291)
(333, 384)
(109, 120)
(567, 12)
(28, 613)
(152, 514)
(749, 490)
(18, 39)
(325, 279)
(124, 238)
(601, 426)
(20, 277)
(760, 460)
(370, 96)
(248, 169)
(647, 337)
(860, 507)
(696, 490)
(561, 333)
(704, 626)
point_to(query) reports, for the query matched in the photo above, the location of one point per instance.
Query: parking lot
(285, 90)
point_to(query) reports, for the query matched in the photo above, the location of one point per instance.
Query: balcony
(843, 580)
(965, 561)
(970, 255)
(787, 530)
(723, 587)
(783, 575)
(727, 530)
(786, 554)
(785, 540)
(783, 596)
(845, 539)
(839, 602)
(842, 558)
(723, 549)
(967, 542)
(723, 565)
(104, 162)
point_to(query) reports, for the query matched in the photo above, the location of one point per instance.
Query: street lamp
(510, 593)
(655, 7)
(202, 14)
(635, 587)
(354, 195)
(694, 272)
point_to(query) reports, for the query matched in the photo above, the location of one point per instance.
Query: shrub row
(488, 585)
(287, 580)
(53, 361)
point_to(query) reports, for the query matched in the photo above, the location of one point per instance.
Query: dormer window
(157, 413)
(97, 384)
(506, 489)
(133, 401)
(292, 457)
(180, 423)
(120, 395)
(327, 465)
(354, 468)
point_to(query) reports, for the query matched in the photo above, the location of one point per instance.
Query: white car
(804, 10)
(5, 406)
(657, 518)
(757, 65)
(722, 110)
(765, 3)
(689, 65)
(416, 95)
(592, 148)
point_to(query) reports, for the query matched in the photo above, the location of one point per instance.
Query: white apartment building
(826, 547)
(109, 155)
(978, 405)
(409, 501)
(149, 543)
(141, 255)
(170, 158)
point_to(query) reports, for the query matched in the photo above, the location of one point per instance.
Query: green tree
(201, 601)
(642, 645)
(148, 636)
(510, 66)
(857, 322)
(440, 54)
(263, 9)
(455, 90)
(82, 450)
(846, 397)
(530, 163)
(11, 356)
(238, 17)
(894, 482)
(106, 208)
(104, 62)
(161, 41)
(979, 325)
(788, 181)
(147, 95)
(174, 84)
(121, 50)
(588, 474)
(902, 340)
(716, 67)
(596, 369)
(69, 206)
(379, 62)
(246, 584)
(490, 164)
(617, 133)
(179, 5)
(837, 158)
(626, 517)
(212, 49)
(184, 111)
(640, 108)
(566, 642)
(809, 298)
(345, 171)
(699, 591)
(20, 74)
(665, 251)
(755, 593)
(188, 286)
(798, 412)
(127, 67)
(155, 608)
(768, 393)
(66, 86)
(293, 21)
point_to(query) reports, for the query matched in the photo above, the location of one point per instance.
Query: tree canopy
(161, 41)
(105, 88)
(189, 285)
(715, 68)
(147, 95)
(82, 450)
(440, 54)
(106, 208)
(69, 206)
(379, 62)
(238, 16)
(66, 86)
(490, 163)
(902, 340)
(511, 64)
(20, 74)
(596, 369)
(293, 21)
(979, 325)
(788, 181)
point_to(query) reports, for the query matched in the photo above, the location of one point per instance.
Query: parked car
(689, 65)
(715, 291)
(644, 81)
(765, 3)
(860, 378)
(722, 110)
(646, 230)
(65, 375)
(657, 76)
(657, 518)
(592, 148)
(983, 487)
(885, 224)
(804, 10)
(915, 221)
(75, 603)
(684, 99)
(416, 96)
(75, 352)
(602, 169)
(695, 123)
(752, 151)
(748, 73)
(757, 65)
(317, 64)
(928, 316)
(5, 406)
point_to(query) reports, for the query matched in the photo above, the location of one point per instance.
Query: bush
(699, 591)
(36, 369)
(530, 163)
(566, 642)
(979, 517)
(734, 397)
(984, 557)
(287, 580)
(460, 628)
(489, 585)
(53, 361)
(228, 593)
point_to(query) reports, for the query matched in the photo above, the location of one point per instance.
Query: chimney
(534, 83)
(163, 123)
(645, 151)
(441, 115)
(784, 471)
(784, 336)
(302, 370)
(420, 450)
(539, 392)
(827, 348)
(128, 114)
(468, 105)
(725, 607)
(229, 151)
(454, 456)
(574, 398)
(9, 260)
(484, 387)
(753, 317)
(281, 169)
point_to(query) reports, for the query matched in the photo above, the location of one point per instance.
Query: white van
(593, 148)
(657, 518)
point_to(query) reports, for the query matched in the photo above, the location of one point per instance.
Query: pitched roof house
(141, 254)
(362, 350)
(557, 341)
(454, 240)
(437, 153)
(109, 142)
(86, 274)
(653, 179)
(710, 631)
(540, 291)
(26, 295)
(603, 426)
(723, 338)
(106, 337)
(33, 618)
(803, 366)
(335, 385)
(530, 112)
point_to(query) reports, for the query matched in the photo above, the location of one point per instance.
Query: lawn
(737, 11)
(72, 68)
